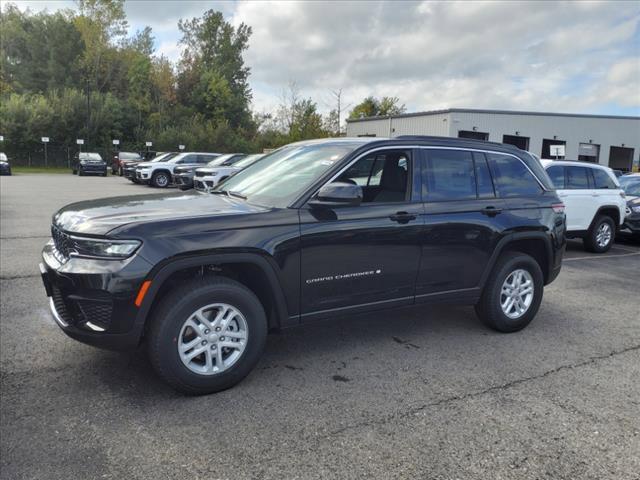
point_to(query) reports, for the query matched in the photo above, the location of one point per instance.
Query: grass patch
(21, 170)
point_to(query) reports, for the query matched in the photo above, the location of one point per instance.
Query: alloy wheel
(212, 339)
(516, 294)
(603, 235)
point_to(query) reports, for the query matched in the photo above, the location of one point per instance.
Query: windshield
(220, 160)
(631, 188)
(163, 157)
(129, 156)
(246, 161)
(90, 156)
(279, 178)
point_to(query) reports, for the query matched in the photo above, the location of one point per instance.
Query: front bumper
(631, 224)
(205, 183)
(92, 301)
(183, 180)
(143, 176)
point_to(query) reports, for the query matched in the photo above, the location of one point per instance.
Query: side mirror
(337, 194)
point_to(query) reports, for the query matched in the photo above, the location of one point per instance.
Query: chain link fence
(52, 155)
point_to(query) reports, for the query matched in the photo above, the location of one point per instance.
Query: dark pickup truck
(315, 229)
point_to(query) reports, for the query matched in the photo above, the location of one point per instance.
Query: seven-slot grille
(62, 242)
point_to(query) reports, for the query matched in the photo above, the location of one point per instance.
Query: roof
(499, 112)
(547, 162)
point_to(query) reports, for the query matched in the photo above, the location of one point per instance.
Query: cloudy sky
(545, 56)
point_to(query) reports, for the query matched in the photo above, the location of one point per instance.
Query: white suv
(208, 177)
(594, 202)
(159, 174)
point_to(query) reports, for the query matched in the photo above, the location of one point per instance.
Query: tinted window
(382, 176)
(556, 173)
(483, 177)
(511, 177)
(450, 175)
(602, 179)
(577, 178)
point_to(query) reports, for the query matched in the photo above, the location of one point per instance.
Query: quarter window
(450, 175)
(602, 179)
(577, 178)
(511, 177)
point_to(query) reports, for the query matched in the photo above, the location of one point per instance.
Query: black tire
(120, 172)
(74, 172)
(591, 243)
(489, 309)
(80, 173)
(104, 174)
(174, 309)
(113, 171)
(158, 176)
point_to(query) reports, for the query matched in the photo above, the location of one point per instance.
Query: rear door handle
(402, 217)
(491, 211)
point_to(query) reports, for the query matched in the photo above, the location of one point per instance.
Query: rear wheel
(160, 179)
(207, 335)
(600, 236)
(512, 295)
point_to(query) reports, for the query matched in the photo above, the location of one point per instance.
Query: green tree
(372, 107)
(212, 63)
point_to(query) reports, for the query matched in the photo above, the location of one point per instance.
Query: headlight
(635, 209)
(88, 247)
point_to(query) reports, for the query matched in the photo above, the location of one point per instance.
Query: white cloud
(560, 56)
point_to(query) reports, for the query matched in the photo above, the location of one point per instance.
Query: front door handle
(491, 211)
(402, 217)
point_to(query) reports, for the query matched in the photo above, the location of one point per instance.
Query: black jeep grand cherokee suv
(315, 229)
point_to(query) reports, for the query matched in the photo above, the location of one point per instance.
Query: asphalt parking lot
(416, 392)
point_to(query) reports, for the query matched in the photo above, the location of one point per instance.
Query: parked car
(159, 174)
(117, 163)
(5, 166)
(292, 238)
(129, 166)
(595, 203)
(206, 177)
(88, 163)
(183, 176)
(631, 186)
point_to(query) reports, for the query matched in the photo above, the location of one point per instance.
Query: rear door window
(577, 178)
(450, 175)
(602, 179)
(556, 173)
(483, 177)
(511, 177)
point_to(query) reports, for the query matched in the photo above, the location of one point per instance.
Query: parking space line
(602, 256)
(625, 249)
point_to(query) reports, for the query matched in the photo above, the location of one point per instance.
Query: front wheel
(513, 293)
(600, 236)
(160, 180)
(207, 335)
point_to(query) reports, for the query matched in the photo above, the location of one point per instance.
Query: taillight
(558, 207)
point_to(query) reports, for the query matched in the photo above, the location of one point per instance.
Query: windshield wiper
(235, 194)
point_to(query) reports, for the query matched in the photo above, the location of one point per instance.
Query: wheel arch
(610, 211)
(251, 269)
(535, 244)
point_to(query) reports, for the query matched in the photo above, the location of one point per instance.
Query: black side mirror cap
(337, 194)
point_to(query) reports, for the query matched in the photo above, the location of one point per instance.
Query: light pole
(45, 140)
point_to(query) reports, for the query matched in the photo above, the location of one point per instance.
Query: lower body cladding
(96, 308)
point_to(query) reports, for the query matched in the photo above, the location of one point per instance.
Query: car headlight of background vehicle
(635, 208)
(91, 247)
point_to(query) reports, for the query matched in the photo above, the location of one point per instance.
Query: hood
(145, 164)
(210, 170)
(184, 169)
(98, 217)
